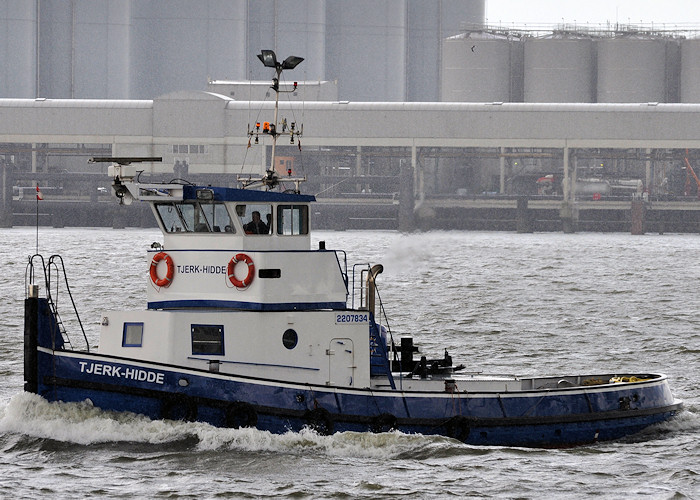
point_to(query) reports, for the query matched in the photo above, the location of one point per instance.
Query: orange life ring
(245, 282)
(169, 273)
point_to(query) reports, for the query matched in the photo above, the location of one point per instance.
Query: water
(503, 303)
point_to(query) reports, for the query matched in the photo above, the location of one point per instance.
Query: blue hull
(539, 419)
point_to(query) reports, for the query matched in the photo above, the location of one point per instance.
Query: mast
(271, 178)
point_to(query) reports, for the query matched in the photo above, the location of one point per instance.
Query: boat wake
(39, 421)
(82, 424)
(686, 420)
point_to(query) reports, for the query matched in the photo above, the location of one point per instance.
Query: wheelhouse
(270, 218)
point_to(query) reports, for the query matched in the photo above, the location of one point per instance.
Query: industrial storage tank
(480, 66)
(176, 45)
(377, 50)
(55, 50)
(632, 68)
(366, 47)
(560, 68)
(18, 51)
(389, 50)
(690, 70)
(290, 28)
(83, 49)
(429, 23)
(100, 50)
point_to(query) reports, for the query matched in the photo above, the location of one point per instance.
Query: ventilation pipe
(371, 286)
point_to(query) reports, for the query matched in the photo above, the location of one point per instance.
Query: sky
(680, 13)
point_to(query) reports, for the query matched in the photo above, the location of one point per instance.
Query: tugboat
(246, 325)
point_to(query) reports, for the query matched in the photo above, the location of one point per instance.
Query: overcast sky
(682, 13)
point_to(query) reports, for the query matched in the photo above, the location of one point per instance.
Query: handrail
(46, 266)
(383, 318)
(382, 313)
(30, 270)
(51, 262)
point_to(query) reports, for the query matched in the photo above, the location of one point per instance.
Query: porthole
(290, 339)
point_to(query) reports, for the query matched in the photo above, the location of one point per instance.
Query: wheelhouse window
(208, 340)
(201, 216)
(292, 219)
(217, 217)
(132, 335)
(170, 216)
(256, 218)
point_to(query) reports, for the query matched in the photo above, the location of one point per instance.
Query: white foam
(346, 444)
(82, 423)
(686, 420)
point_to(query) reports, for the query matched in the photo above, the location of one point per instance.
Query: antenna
(123, 173)
(271, 177)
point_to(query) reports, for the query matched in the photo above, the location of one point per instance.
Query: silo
(83, 49)
(176, 45)
(101, 49)
(429, 23)
(55, 49)
(290, 28)
(476, 67)
(18, 24)
(690, 70)
(560, 68)
(632, 68)
(366, 49)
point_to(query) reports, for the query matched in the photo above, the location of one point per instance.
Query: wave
(35, 422)
(29, 422)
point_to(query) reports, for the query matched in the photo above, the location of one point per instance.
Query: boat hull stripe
(354, 418)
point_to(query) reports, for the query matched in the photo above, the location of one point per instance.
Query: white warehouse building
(423, 152)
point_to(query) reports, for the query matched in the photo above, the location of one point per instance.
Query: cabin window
(193, 219)
(170, 216)
(132, 335)
(201, 217)
(217, 216)
(208, 339)
(292, 219)
(255, 218)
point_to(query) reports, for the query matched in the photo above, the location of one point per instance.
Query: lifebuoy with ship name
(170, 272)
(231, 271)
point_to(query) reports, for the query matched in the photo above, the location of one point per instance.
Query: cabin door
(341, 362)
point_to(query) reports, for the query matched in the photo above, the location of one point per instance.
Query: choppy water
(500, 302)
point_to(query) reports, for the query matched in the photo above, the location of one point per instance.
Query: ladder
(59, 323)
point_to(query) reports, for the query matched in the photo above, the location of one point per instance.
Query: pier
(400, 166)
(85, 199)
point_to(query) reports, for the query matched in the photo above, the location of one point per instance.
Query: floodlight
(291, 62)
(268, 58)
